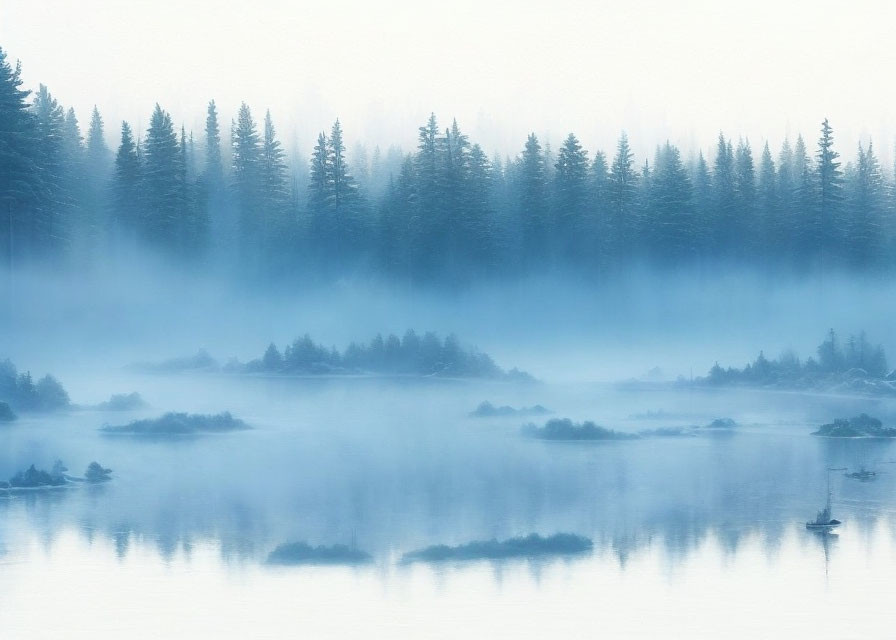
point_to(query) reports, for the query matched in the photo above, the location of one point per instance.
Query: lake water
(694, 536)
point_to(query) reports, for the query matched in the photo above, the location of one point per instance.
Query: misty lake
(700, 533)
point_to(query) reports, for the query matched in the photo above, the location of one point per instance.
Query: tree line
(857, 356)
(446, 211)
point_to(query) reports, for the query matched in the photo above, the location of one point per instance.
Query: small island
(487, 410)
(122, 402)
(566, 429)
(410, 355)
(721, 423)
(861, 426)
(19, 391)
(299, 553)
(97, 473)
(856, 366)
(531, 546)
(176, 424)
(34, 478)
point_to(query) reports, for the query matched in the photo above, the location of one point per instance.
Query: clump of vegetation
(19, 390)
(32, 478)
(721, 423)
(530, 546)
(181, 424)
(295, 553)
(488, 410)
(97, 473)
(861, 426)
(566, 429)
(410, 355)
(6, 412)
(857, 364)
(122, 402)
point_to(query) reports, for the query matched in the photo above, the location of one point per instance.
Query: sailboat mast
(829, 491)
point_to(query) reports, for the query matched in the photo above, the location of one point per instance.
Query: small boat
(862, 474)
(823, 520)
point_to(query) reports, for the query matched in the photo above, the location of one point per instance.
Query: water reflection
(331, 462)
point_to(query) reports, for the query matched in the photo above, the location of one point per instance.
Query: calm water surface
(695, 536)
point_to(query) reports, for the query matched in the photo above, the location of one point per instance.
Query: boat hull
(823, 526)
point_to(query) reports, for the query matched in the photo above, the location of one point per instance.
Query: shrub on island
(180, 424)
(566, 429)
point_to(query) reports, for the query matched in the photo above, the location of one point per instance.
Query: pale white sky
(678, 69)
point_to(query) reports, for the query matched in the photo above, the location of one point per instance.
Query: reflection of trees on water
(627, 497)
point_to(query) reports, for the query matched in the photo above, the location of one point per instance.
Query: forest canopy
(447, 211)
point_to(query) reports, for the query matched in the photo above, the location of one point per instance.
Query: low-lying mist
(555, 327)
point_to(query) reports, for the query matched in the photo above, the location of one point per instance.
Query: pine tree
(162, 182)
(192, 223)
(214, 168)
(460, 219)
(45, 231)
(829, 185)
(478, 205)
(429, 219)
(126, 194)
(533, 202)
(98, 164)
(98, 155)
(727, 224)
(394, 235)
(745, 192)
(343, 196)
(671, 209)
(770, 234)
(247, 181)
(570, 196)
(864, 208)
(275, 190)
(20, 187)
(323, 230)
(801, 220)
(703, 206)
(598, 210)
(622, 196)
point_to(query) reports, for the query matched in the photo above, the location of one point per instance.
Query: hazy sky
(681, 70)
